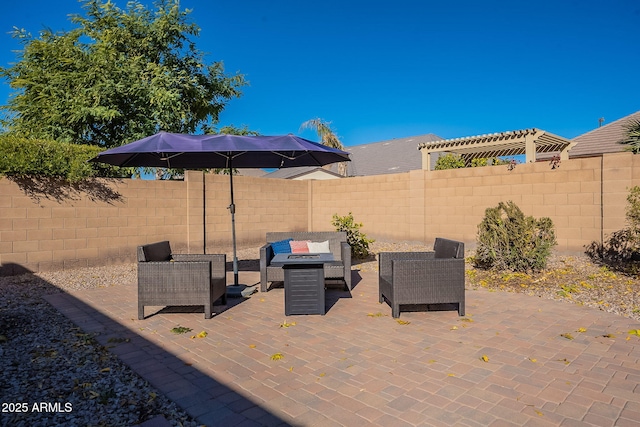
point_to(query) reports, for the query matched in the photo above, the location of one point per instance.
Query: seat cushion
(281, 246)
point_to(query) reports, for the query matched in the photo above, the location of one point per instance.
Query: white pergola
(529, 142)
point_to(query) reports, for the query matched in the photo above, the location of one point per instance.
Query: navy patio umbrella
(183, 151)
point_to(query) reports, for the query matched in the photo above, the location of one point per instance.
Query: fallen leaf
(402, 322)
(567, 336)
(105, 370)
(634, 332)
(453, 328)
(277, 356)
(200, 335)
(252, 346)
(533, 360)
(581, 330)
(286, 325)
(484, 358)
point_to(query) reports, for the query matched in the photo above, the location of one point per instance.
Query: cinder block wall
(585, 198)
(43, 233)
(262, 205)
(380, 202)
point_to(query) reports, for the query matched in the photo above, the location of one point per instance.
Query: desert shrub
(509, 240)
(357, 239)
(621, 246)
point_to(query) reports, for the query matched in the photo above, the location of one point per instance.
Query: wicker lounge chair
(166, 279)
(340, 269)
(422, 278)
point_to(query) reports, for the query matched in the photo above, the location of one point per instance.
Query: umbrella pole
(236, 290)
(232, 209)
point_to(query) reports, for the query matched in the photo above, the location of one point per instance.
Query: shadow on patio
(505, 363)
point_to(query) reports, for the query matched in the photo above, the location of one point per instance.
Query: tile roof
(255, 172)
(603, 139)
(291, 173)
(385, 157)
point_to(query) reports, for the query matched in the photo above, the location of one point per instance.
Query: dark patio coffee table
(303, 282)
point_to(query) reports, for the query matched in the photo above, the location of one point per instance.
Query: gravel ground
(45, 358)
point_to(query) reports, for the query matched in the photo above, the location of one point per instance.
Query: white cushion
(319, 247)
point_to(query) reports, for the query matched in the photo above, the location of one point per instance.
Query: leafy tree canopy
(118, 76)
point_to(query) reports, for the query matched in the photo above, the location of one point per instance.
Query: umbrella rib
(167, 158)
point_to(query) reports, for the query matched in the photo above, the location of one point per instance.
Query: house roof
(255, 172)
(292, 173)
(510, 143)
(385, 157)
(603, 139)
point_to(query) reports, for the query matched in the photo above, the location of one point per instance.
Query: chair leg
(140, 311)
(395, 310)
(461, 308)
(224, 298)
(347, 280)
(207, 311)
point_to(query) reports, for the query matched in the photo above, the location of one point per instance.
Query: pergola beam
(528, 142)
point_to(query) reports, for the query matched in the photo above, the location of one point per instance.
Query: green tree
(118, 76)
(327, 137)
(632, 136)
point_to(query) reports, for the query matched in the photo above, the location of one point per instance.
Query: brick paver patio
(357, 365)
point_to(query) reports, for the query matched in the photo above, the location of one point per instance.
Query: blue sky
(389, 69)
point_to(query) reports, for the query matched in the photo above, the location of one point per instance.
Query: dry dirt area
(574, 279)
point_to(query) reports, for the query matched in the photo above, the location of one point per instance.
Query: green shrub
(455, 161)
(623, 245)
(24, 157)
(357, 239)
(449, 161)
(509, 240)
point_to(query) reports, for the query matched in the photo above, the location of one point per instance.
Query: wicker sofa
(166, 279)
(422, 278)
(340, 269)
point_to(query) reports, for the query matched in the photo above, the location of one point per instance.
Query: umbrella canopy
(172, 150)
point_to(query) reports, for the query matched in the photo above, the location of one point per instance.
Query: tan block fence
(585, 198)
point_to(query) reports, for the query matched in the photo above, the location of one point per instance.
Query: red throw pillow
(299, 246)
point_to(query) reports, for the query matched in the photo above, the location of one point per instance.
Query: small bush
(449, 161)
(622, 246)
(509, 240)
(358, 240)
